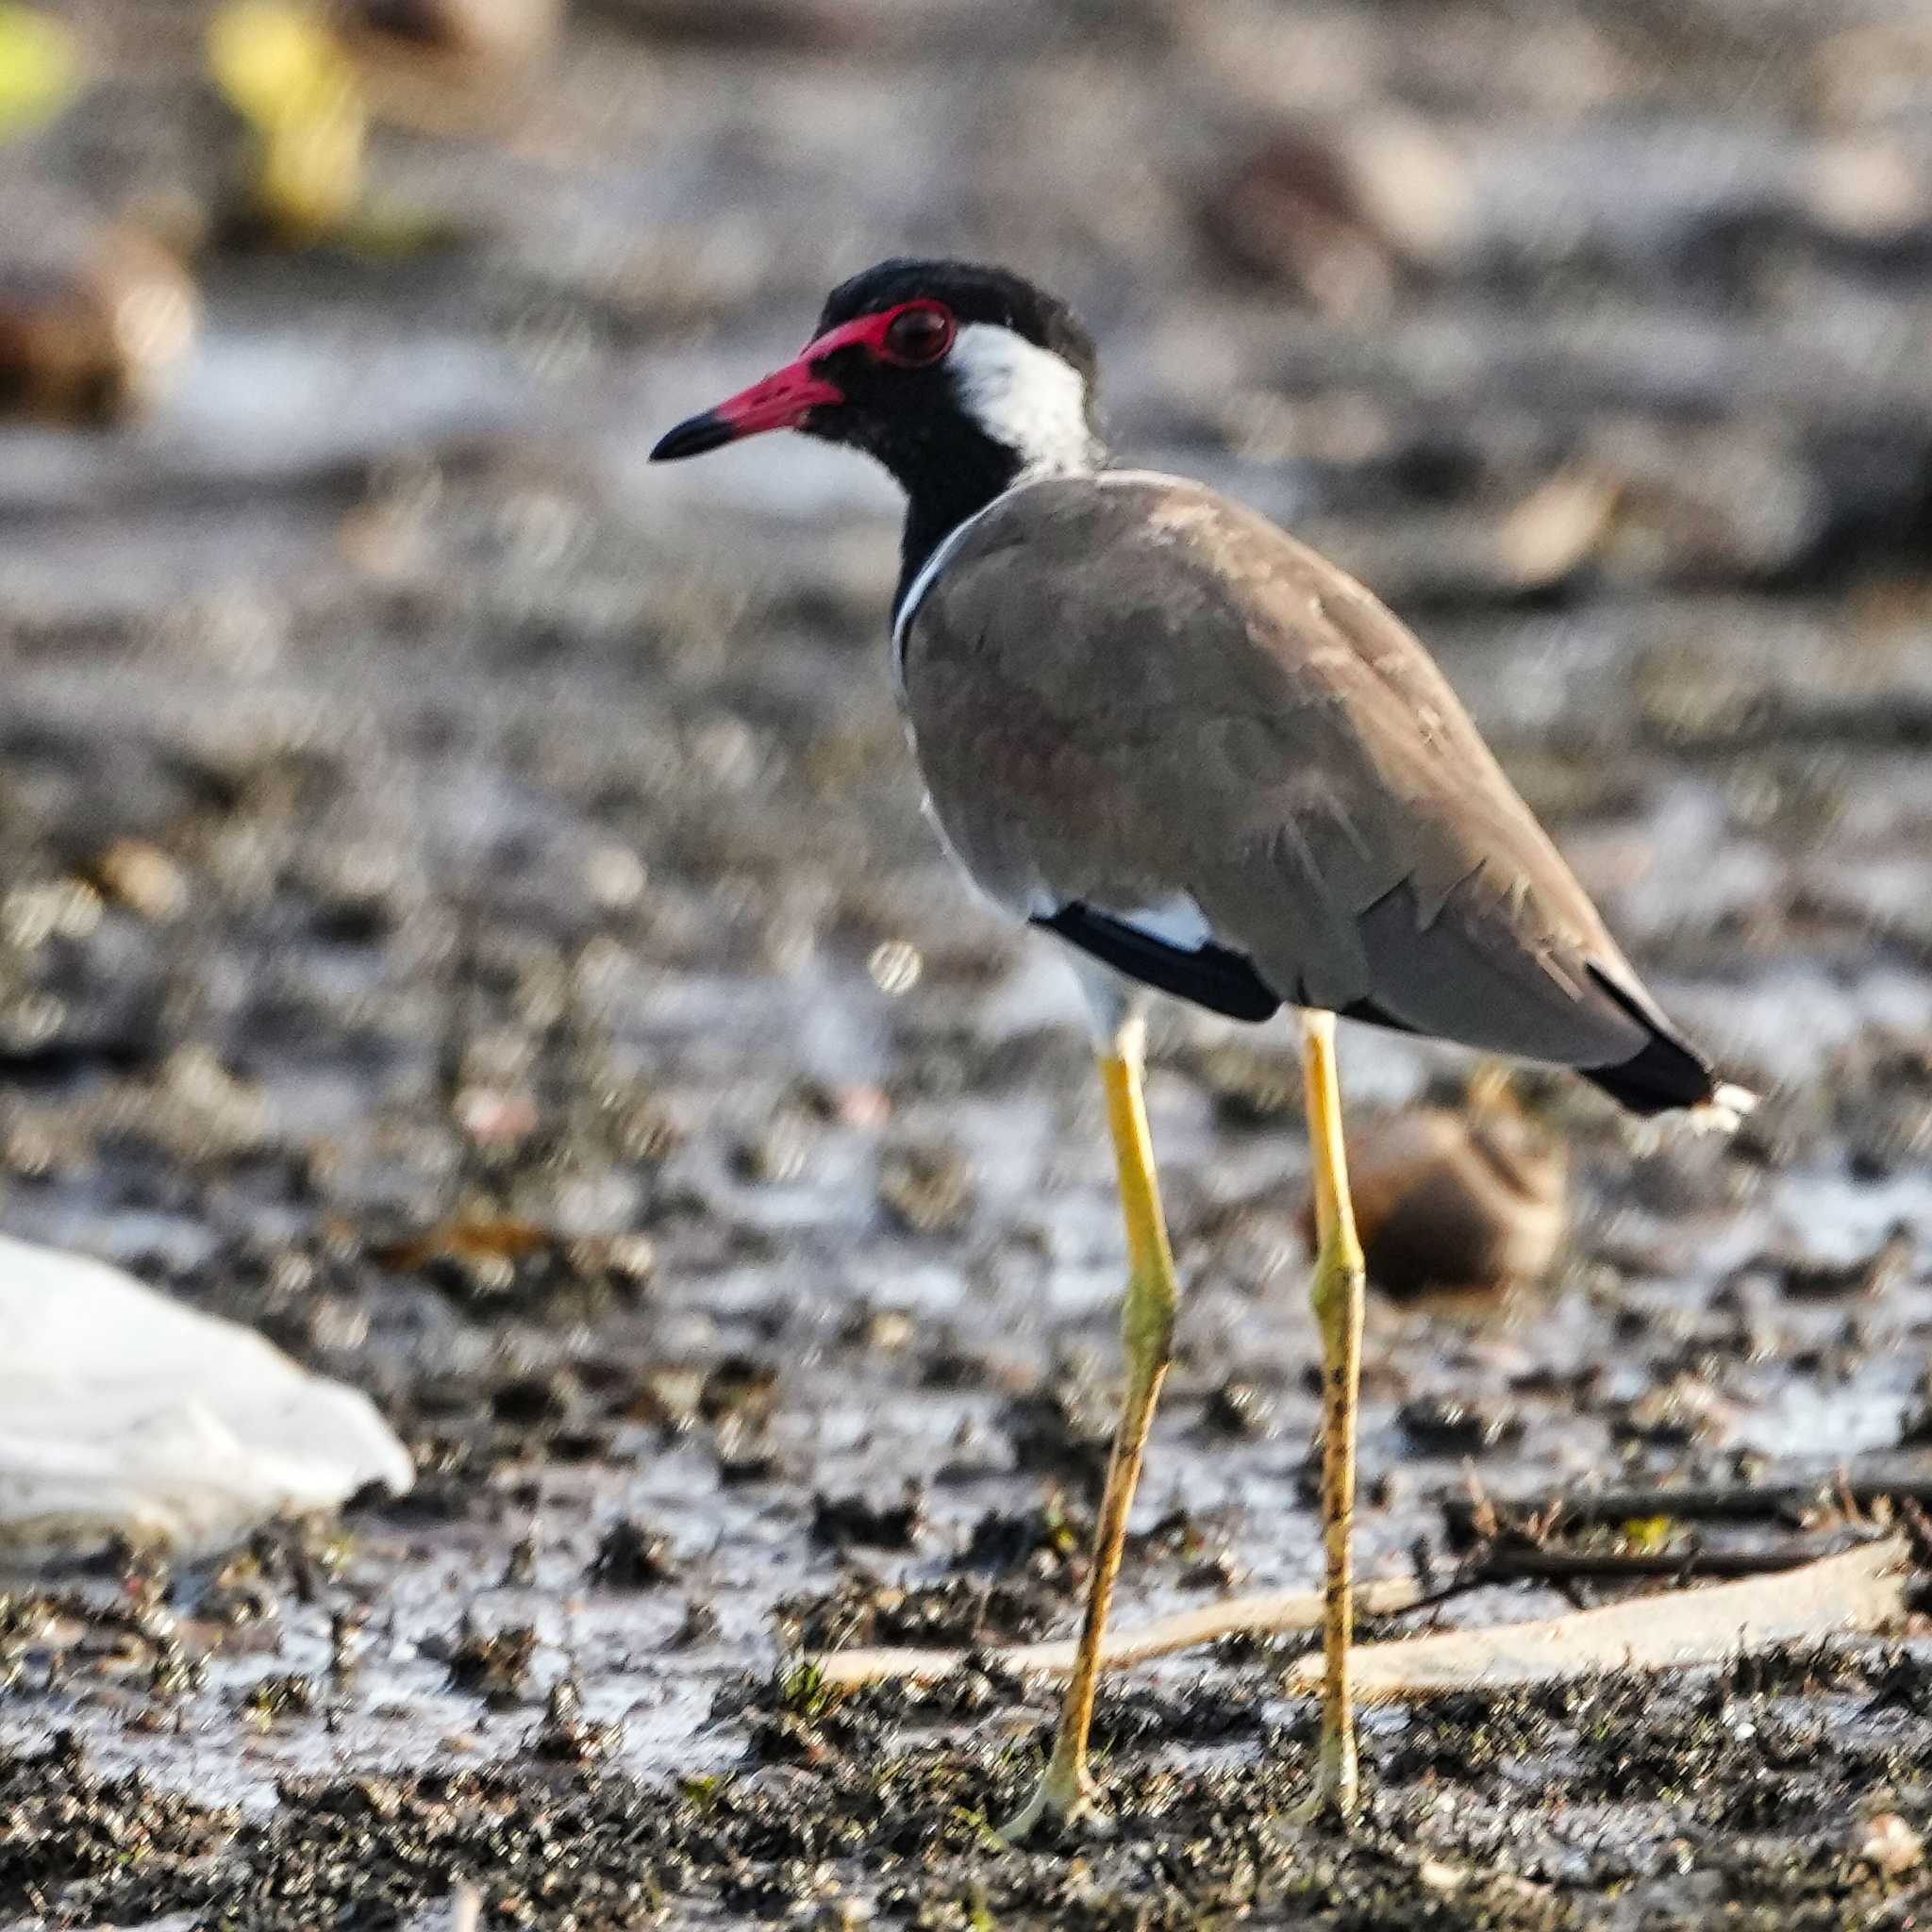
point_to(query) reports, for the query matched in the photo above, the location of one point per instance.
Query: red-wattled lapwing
(1209, 762)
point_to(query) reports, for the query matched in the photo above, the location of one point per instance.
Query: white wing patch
(1176, 922)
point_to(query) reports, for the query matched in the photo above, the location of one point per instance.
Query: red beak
(782, 401)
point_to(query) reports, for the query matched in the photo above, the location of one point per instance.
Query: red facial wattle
(784, 398)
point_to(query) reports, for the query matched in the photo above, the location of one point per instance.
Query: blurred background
(463, 903)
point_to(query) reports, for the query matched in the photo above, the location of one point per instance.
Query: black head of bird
(1209, 762)
(962, 380)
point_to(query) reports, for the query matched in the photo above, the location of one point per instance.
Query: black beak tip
(693, 438)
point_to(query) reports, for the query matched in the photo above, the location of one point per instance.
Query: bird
(1209, 763)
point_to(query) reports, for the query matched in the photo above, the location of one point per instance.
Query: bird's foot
(1337, 1796)
(1064, 1798)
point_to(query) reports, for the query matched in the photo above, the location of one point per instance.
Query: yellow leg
(1338, 1299)
(1065, 1791)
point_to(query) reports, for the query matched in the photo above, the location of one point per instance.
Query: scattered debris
(566, 1736)
(526, 867)
(139, 875)
(848, 1522)
(1808, 1277)
(630, 1556)
(492, 1665)
(1447, 1427)
(927, 1190)
(1557, 528)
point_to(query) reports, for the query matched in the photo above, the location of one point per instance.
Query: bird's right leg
(1338, 1297)
(1065, 1791)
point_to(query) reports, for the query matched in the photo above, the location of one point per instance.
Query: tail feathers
(1666, 1073)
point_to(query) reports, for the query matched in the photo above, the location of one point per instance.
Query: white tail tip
(1724, 1111)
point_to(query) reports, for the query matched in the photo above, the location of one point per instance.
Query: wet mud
(464, 910)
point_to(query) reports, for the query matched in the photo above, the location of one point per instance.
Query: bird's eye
(917, 334)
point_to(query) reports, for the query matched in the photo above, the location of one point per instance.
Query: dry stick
(1739, 1503)
(1860, 1588)
(1240, 1616)
(1511, 1562)
(1274, 1613)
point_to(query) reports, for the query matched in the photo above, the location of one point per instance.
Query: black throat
(947, 480)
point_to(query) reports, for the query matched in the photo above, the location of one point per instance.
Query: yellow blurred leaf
(278, 63)
(284, 71)
(39, 68)
(1646, 1535)
(312, 173)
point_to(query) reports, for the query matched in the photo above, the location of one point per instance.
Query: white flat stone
(124, 1413)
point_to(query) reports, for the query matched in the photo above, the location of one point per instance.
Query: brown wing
(1127, 692)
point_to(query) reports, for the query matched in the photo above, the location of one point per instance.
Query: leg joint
(1147, 1318)
(1340, 1280)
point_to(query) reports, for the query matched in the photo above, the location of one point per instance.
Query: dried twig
(1509, 1560)
(1785, 1595)
(1859, 1590)
(1733, 1503)
(1246, 1616)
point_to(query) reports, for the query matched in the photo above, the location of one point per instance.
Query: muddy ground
(466, 912)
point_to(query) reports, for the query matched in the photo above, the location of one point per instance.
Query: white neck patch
(1026, 397)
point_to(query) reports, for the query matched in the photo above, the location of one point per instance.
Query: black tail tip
(1666, 1075)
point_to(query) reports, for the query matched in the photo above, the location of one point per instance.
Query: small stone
(780, 1153)
(494, 1667)
(531, 1399)
(281, 1695)
(1808, 1277)
(700, 1625)
(632, 1556)
(1453, 1203)
(615, 876)
(927, 1190)
(1239, 1410)
(1446, 1426)
(1887, 1843)
(886, 1331)
(93, 319)
(1251, 1087)
(566, 1736)
(142, 877)
(845, 1520)
(491, 1116)
(895, 967)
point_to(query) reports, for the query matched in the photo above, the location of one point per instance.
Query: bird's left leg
(1065, 1790)
(1338, 1295)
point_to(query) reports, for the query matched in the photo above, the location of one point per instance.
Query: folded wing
(1130, 695)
